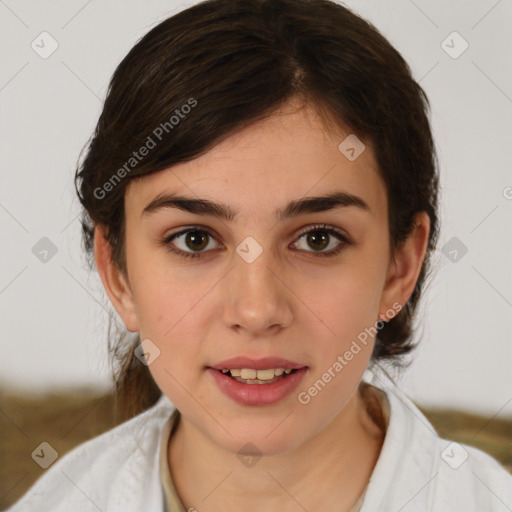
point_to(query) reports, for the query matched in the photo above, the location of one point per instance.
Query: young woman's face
(258, 286)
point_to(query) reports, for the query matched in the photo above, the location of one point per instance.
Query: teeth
(252, 374)
(248, 373)
(265, 374)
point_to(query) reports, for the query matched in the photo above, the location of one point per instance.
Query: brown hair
(220, 65)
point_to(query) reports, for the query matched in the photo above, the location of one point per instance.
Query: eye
(195, 238)
(320, 237)
(193, 241)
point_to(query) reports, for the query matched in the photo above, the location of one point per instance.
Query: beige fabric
(173, 503)
(171, 496)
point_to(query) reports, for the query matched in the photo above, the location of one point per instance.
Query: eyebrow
(294, 208)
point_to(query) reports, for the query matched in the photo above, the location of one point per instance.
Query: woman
(260, 197)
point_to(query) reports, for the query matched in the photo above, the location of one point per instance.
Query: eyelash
(319, 227)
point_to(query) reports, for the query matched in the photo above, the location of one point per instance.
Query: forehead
(269, 163)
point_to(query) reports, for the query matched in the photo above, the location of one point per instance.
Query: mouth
(253, 376)
(257, 382)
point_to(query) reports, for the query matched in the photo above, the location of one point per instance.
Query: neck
(328, 472)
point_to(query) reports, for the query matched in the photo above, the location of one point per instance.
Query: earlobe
(114, 281)
(406, 265)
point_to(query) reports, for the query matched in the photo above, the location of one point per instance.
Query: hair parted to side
(239, 61)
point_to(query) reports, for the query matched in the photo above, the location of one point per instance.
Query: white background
(53, 321)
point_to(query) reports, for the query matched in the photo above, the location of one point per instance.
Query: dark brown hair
(217, 67)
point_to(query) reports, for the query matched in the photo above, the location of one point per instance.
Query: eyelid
(193, 227)
(326, 227)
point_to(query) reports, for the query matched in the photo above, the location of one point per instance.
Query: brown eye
(196, 240)
(320, 238)
(189, 242)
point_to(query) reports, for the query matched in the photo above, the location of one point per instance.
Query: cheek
(348, 301)
(170, 314)
(164, 293)
(344, 341)
(176, 331)
(174, 310)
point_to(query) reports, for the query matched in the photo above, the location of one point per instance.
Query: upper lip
(257, 364)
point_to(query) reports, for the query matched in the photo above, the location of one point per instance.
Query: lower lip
(257, 394)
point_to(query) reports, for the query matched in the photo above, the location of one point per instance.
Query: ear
(114, 281)
(405, 267)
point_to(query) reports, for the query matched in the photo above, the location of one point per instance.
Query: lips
(257, 392)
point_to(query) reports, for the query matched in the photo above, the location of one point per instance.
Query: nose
(257, 297)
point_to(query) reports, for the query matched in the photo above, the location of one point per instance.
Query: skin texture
(289, 302)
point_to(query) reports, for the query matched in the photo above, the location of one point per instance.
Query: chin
(253, 438)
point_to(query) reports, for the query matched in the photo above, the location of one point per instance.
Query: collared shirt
(417, 471)
(173, 502)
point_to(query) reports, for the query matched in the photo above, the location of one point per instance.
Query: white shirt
(417, 471)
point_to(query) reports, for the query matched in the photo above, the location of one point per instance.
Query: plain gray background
(53, 327)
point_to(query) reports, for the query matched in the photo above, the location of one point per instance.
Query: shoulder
(469, 477)
(419, 471)
(117, 470)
